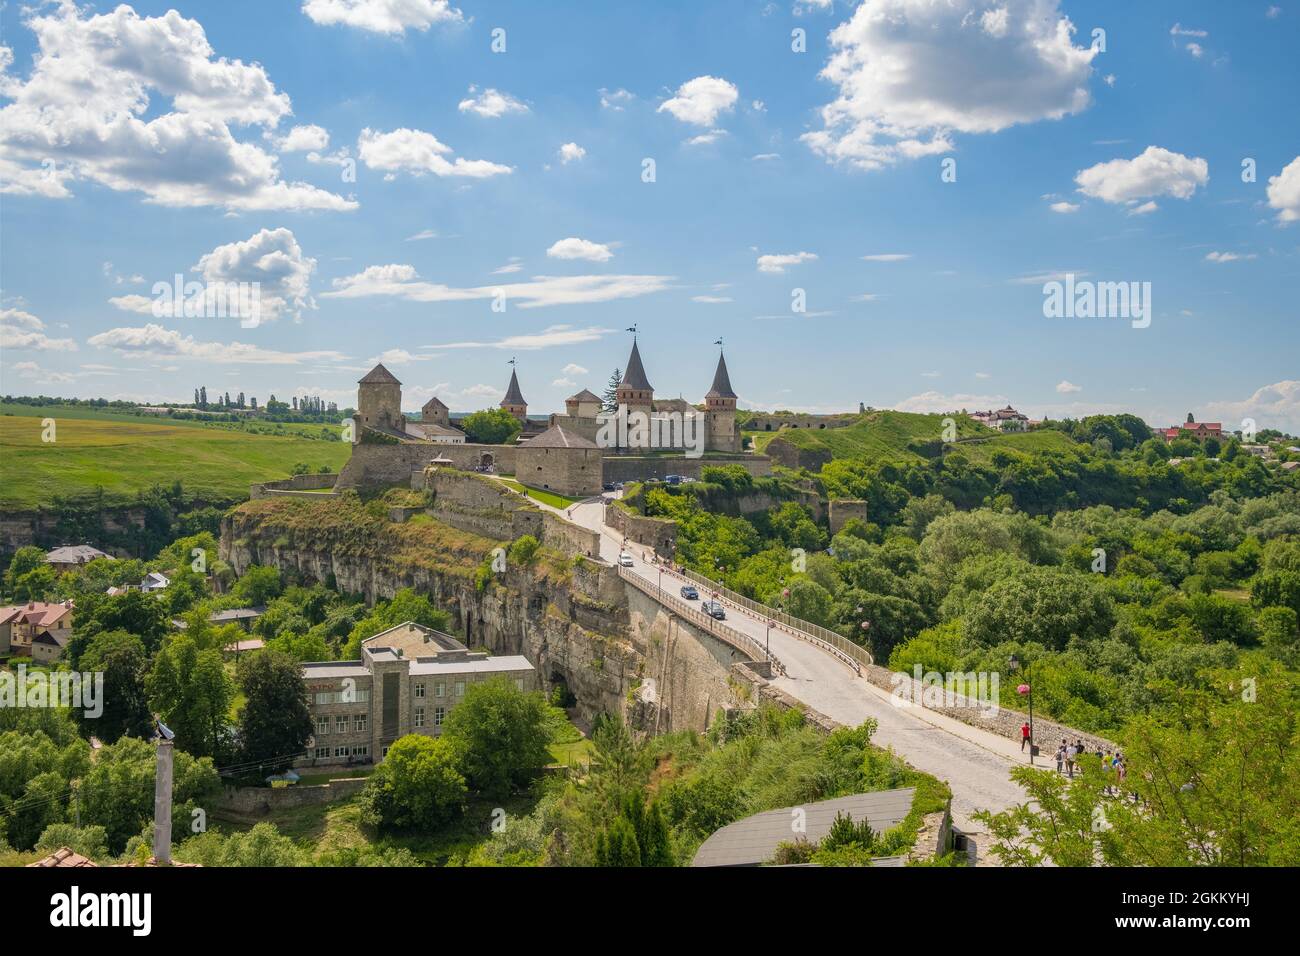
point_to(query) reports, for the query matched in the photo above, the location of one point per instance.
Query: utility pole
(162, 798)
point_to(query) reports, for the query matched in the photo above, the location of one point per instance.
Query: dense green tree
(499, 735)
(419, 785)
(491, 426)
(189, 688)
(405, 606)
(121, 659)
(275, 722)
(257, 586)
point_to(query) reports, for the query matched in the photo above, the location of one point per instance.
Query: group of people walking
(1112, 764)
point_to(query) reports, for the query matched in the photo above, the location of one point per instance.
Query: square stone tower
(379, 400)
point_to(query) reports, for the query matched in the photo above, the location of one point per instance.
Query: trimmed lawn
(545, 497)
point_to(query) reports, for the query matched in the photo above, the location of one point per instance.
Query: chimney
(162, 804)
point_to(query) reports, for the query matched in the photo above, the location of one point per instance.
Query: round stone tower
(379, 400)
(720, 412)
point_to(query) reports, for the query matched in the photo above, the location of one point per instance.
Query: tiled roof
(635, 376)
(721, 381)
(75, 554)
(513, 395)
(379, 376)
(586, 395)
(63, 857)
(557, 437)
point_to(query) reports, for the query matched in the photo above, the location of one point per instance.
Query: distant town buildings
(38, 630)
(1193, 429)
(408, 679)
(71, 556)
(1003, 419)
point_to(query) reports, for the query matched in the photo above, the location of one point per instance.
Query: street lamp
(1025, 690)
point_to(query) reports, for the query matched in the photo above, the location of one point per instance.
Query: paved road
(974, 763)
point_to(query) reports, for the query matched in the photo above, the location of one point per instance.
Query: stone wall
(382, 465)
(259, 801)
(639, 467)
(478, 504)
(791, 455)
(568, 471)
(656, 533)
(842, 509)
(298, 483)
(774, 421)
(1005, 722)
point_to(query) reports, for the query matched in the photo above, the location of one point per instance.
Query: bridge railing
(683, 609)
(854, 655)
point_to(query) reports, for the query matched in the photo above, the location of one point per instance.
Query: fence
(741, 642)
(852, 654)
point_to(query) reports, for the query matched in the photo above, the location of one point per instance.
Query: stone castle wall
(655, 533)
(842, 509)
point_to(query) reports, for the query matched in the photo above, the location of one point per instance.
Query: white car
(625, 559)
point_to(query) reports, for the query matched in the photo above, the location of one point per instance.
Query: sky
(863, 201)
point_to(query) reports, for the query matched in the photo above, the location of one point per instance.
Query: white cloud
(764, 157)
(421, 236)
(571, 152)
(271, 258)
(701, 100)
(777, 262)
(1196, 50)
(1067, 387)
(95, 79)
(154, 340)
(1136, 209)
(711, 299)
(417, 152)
(887, 257)
(1273, 12)
(932, 402)
(1284, 192)
(402, 281)
(382, 16)
(510, 267)
(1228, 256)
(1154, 172)
(22, 330)
(615, 100)
(573, 369)
(303, 139)
(911, 72)
(574, 248)
(1273, 406)
(564, 383)
(1064, 207)
(550, 337)
(1178, 30)
(33, 372)
(930, 374)
(492, 104)
(398, 357)
(704, 139)
(1038, 278)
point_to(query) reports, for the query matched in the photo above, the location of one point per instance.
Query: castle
(575, 453)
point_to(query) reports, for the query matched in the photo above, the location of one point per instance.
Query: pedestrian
(1024, 735)
(1069, 760)
(1060, 756)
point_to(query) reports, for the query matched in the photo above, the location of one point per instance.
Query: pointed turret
(635, 391)
(721, 381)
(720, 411)
(514, 401)
(635, 376)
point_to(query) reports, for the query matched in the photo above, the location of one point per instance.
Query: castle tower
(720, 411)
(514, 401)
(635, 391)
(435, 412)
(379, 400)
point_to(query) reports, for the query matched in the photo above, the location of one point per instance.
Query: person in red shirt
(1024, 736)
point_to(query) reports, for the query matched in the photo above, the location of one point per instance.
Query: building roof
(49, 637)
(477, 665)
(674, 405)
(75, 554)
(513, 395)
(721, 381)
(63, 857)
(586, 395)
(435, 402)
(634, 377)
(558, 437)
(404, 634)
(329, 669)
(236, 614)
(753, 840)
(35, 613)
(379, 376)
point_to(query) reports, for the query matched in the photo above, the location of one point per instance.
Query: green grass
(884, 435)
(545, 497)
(126, 454)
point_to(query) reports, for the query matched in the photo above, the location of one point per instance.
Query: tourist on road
(1060, 756)
(1069, 760)
(1024, 735)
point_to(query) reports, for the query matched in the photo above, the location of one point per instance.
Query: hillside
(125, 455)
(885, 435)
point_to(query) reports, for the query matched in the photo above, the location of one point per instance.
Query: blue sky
(220, 142)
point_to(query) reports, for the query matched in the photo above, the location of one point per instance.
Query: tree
(418, 786)
(191, 691)
(1043, 605)
(261, 846)
(609, 397)
(258, 586)
(26, 559)
(134, 612)
(491, 426)
(275, 724)
(618, 846)
(121, 658)
(499, 734)
(405, 606)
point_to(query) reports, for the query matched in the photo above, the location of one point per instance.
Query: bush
(418, 786)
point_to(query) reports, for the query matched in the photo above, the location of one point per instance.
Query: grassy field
(885, 435)
(545, 497)
(125, 454)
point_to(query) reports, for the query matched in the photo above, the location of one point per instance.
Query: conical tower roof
(634, 377)
(513, 395)
(721, 381)
(379, 376)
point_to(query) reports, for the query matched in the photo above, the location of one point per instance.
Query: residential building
(71, 556)
(1193, 429)
(408, 679)
(21, 624)
(1003, 419)
(154, 581)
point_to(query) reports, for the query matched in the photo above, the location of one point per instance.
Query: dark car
(608, 486)
(673, 479)
(690, 593)
(714, 609)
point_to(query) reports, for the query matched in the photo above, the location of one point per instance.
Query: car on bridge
(625, 559)
(690, 593)
(714, 609)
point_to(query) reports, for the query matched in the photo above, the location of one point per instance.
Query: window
(340, 751)
(342, 697)
(519, 682)
(322, 753)
(322, 725)
(361, 751)
(383, 753)
(419, 690)
(359, 723)
(419, 716)
(438, 714)
(460, 688)
(441, 690)
(341, 724)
